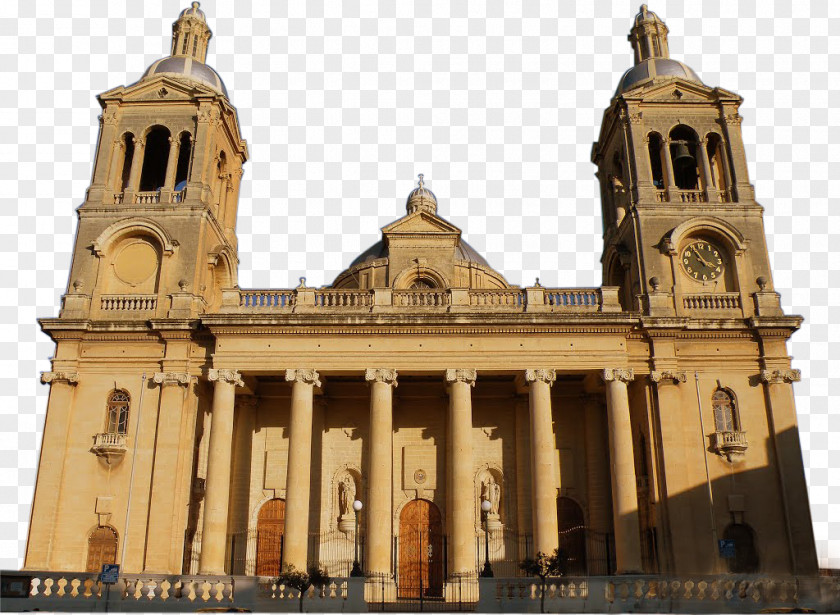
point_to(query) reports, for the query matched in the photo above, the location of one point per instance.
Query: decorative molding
(386, 376)
(68, 377)
(549, 376)
(231, 376)
(618, 374)
(667, 374)
(304, 376)
(171, 378)
(466, 376)
(780, 376)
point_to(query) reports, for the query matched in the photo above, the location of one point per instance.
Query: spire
(649, 36)
(421, 198)
(191, 34)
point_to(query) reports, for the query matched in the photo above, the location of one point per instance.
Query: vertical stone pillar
(543, 474)
(705, 170)
(671, 183)
(296, 532)
(628, 548)
(460, 476)
(778, 385)
(171, 164)
(112, 183)
(217, 495)
(163, 509)
(107, 134)
(597, 463)
(50, 469)
(380, 472)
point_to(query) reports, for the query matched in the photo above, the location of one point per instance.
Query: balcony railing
(110, 446)
(709, 301)
(730, 443)
(421, 298)
(128, 303)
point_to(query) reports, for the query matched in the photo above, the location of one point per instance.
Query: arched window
(118, 406)
(184, 155)
(746, 556)
(725, 410)
(124, 173)
(155, 160)
(423, 283)
(655, 156)
(102, 548)
(684, 158)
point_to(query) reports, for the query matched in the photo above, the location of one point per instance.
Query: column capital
(667, 375)
(540, 375)
(171, 378)
(618, 374)
(68, 377)
(386, 376)
(305, 376)
(225, 375)
(780, 376)
(466, 376)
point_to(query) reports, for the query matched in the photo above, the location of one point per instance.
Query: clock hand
(705, 262)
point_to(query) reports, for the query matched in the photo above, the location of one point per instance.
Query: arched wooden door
(572, 530)
(270, 526)
(102, 548)
(420, 550)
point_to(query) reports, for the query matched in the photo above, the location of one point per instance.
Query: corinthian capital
(618, 375)
(540, 375)
(779, 376)
(171, 378)
(305, 376)
(388, 376)
(230, 376)
(466, 376)
(68, 377)
(666, 375)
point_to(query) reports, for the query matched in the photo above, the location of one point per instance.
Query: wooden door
(420, 550)
(102, 548)
(270, 525)
(572, 535)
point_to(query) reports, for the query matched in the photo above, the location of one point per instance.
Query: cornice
(412, 330)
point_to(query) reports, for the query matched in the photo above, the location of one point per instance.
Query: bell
(682, 157)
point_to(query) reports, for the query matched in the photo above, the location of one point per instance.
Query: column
(216, 497)
(379, 476)
(113, 182)
(628, 549)
(136, 167)
(171, 165)
(778, 385)
(240, 488)
(460, 472)
(50, 469)
(705, 169)
(163, 508)
(543, 472)
(296, 532)
(597, 464)
(671, 183)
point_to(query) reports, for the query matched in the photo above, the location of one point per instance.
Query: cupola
(421, 198)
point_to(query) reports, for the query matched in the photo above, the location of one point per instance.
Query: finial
(302, 283)
(537, 283)
(195, 5)
(642, 9)
(420, 180)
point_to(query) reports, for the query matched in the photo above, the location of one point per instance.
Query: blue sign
(110, 573)
(726, 547)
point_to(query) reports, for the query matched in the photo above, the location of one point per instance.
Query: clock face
(702, 261)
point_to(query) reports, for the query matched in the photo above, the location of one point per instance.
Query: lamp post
(357, 569)
(487, 571)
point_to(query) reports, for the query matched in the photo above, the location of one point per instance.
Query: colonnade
(459, 468)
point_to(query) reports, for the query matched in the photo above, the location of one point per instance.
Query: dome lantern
(421, 198)
(191, 34)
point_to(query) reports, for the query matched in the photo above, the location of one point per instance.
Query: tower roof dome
(193, 11)
(421, 198)
(188, 68)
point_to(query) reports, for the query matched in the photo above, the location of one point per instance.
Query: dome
(463, 251)
(193, 11)
(421, 198)
(654, 69)
(186, 67)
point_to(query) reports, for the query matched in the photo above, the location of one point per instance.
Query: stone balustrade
(709, 301)
(128, 303)
(146, 198)
(688, 196)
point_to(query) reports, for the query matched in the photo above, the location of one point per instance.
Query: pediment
(159, 88)
(421, 222)
(678, 90)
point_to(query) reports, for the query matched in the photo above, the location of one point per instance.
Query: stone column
(597, 463)
(296, 532)
(460, 476)
(217, 494)
(50, 469)
(705, 169)
(543, 472)
(628, 548)
(136, 168)
(671, 183)
(162, 509)
(380, 472)
(113, 182)
(171, 164)
(778, 385)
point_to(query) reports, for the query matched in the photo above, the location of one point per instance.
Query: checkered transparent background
(344, 102)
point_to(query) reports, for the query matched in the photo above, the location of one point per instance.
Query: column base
(461, 587)
(380, 588)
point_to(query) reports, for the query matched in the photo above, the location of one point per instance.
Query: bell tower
(156, 235)
(683, 235)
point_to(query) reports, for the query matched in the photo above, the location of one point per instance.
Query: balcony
(109, 446)
(730, 444)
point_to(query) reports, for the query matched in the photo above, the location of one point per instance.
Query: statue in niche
(346, 496)
(492, 492)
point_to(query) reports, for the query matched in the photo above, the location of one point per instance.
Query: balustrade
(343, 298)
(128, 303)
(421, 298)
(145, 198)
(573, 298)
(708, 301)
(267, 298)
(498, 297)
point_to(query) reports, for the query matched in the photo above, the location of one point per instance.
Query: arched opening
(184, 157)
(221, 172)
(119, 403)
(745, 557)
(684, 158)
(123, 174)
(423, 283)
(271, 523)
(572, 533)
(725, 411)
(153, 175)
(421, 553)
(655, 157)
(102, 548)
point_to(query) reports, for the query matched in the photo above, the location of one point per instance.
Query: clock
(702, 261)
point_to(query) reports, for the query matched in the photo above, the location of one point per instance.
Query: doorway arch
(572, 529)
(271, 524)
(102, 548)
(420, 551)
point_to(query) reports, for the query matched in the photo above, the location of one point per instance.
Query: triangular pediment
(678, 91)
(421, 222)
(158, 89)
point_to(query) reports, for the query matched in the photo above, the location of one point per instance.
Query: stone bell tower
(682, 231)
(156, 231)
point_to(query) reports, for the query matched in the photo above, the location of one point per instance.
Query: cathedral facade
(421, 415)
